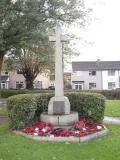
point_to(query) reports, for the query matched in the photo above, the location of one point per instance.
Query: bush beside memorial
(21, 110)
(90, 106)
(24, 109)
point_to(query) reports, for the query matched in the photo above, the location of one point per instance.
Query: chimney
(98, 60)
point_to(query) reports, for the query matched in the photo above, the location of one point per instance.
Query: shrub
(21, 110)
(89, 105)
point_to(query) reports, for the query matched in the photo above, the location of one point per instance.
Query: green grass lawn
(3, 110)
(13, 147)
(112, 108)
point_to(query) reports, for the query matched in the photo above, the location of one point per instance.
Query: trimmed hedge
(109, 94)
(89, 105)
(5, 93)
(21, 110)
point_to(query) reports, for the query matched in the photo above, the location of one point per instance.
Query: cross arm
(53, 39)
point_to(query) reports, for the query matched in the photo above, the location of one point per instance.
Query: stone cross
(58, 104)
(59, 113)
(58, 39)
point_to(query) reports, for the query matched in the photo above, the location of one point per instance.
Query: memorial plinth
(59, 106)
(63, 121)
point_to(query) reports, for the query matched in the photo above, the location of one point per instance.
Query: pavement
(3, 101)
(111, 120)
(3, 119)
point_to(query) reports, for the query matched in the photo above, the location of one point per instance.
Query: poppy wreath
(80, 128)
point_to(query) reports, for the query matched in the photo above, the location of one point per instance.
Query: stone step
(60, 120)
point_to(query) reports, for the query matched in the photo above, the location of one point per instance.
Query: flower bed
(80, 128)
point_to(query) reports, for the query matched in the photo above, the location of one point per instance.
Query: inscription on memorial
(58, 107)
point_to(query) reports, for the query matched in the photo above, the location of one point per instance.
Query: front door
(3, 85)
(78, 86)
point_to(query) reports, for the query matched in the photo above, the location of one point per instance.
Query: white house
(101, 75)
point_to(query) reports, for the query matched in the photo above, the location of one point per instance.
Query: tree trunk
(29, 84)
(1, 60)
(29, 78)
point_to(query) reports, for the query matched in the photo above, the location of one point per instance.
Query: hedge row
(5, 93)
(23, 109)
(109, 94)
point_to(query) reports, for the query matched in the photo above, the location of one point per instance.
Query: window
(19, 85)
(52, 84)
(111, 85)
(111, 72)
(38, 84)
(19, 71)
(92, 85)
(92, 73)
(6, 72)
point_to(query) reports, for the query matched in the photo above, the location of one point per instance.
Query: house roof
(95, 65)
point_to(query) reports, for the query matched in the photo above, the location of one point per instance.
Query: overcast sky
(103, 33)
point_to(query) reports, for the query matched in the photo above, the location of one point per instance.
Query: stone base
(60, 120)
(59, 106)
(65, 139)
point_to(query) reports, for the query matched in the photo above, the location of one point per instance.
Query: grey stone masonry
(58, 39)
(65, 139)
(58, 104)
(60, 120)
